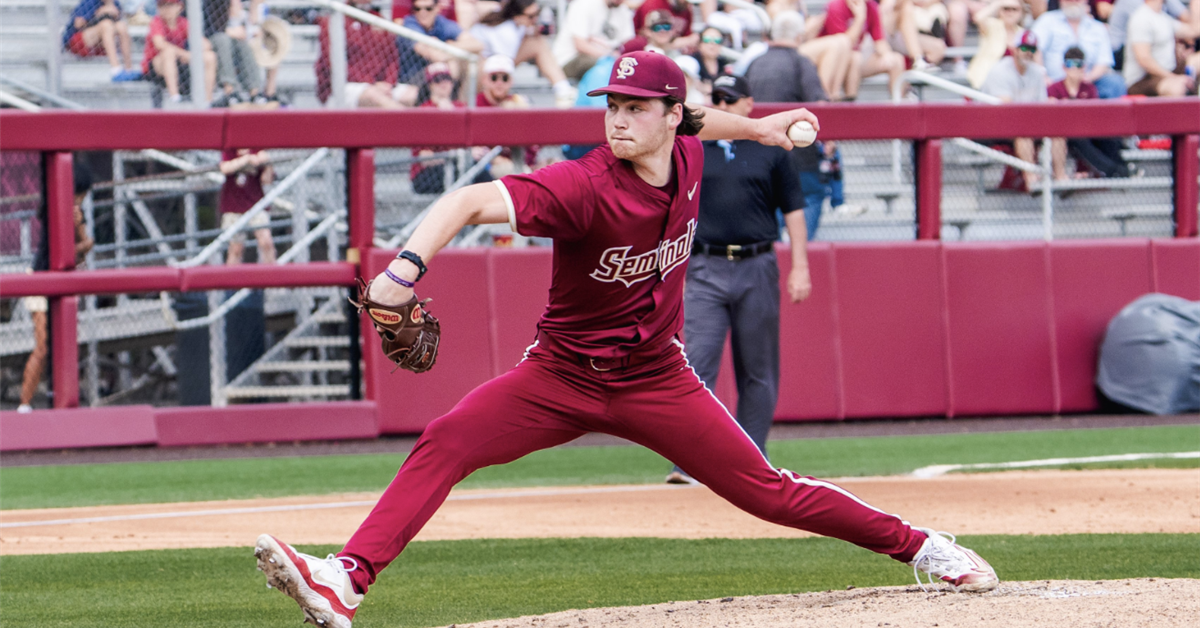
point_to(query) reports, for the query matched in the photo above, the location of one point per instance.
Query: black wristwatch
(416, 260)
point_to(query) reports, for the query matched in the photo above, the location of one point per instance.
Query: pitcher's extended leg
(515, 414)
(692, 429)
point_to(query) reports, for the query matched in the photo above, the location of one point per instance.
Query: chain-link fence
(1049, 189)
(868, 191)
(191, 348)
(22, 225)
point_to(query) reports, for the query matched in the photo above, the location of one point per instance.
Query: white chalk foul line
(550, 492)
(933, 471)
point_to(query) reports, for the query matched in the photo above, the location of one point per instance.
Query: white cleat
(940, 557)
(321, 587)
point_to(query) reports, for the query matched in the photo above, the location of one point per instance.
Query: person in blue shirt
(427, 19)
(96, 28)
(1073, 25)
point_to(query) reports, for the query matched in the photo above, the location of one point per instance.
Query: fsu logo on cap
(625, 68)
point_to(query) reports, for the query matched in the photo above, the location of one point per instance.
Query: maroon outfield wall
(893, 329)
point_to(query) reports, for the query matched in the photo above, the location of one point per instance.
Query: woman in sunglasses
(513, 31)
(708, 53)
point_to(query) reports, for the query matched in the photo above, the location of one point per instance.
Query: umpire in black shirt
(733, 276)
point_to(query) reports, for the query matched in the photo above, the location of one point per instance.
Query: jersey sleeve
(786, 184)
(555, 202)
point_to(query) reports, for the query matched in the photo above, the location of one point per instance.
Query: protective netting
(190, 348)
(22, 224)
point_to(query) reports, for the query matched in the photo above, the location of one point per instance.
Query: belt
(733, 251)
(599, 364)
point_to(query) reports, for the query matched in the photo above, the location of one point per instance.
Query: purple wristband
(397, 279)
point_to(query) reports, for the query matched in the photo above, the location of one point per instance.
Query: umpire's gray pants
(743, 296)
(236, 64)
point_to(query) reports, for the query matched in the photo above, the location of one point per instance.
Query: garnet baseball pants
(551, 398)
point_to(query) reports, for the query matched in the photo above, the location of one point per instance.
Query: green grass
(153, 482)
(438, 583)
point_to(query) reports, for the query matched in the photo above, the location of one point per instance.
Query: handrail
(917, 76)
(461, 181)
(18, 102)
(43, 94)
(325, 225)
(394, 28)
(255, 210)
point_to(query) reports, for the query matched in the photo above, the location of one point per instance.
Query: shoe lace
(939, 558)
(336, 563)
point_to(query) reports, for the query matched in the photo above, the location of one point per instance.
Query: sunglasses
(1073, 63)
(430, 9)
(1010, 9)
(713, 40)
(724, 99)
(441, 78)
(662, 28)
(1029, 49)
(499, 77)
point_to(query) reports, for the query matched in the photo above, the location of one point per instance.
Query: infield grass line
(59, 486)
(936, 470)
(462, 497)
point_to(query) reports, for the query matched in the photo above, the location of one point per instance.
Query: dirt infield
(1022, 502)
(1148, 603)
(1025, 502)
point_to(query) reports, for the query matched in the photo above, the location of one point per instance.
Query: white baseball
(802, 134)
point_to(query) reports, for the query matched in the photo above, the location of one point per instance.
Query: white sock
(115, 71)
(176, 98)
(562, 88)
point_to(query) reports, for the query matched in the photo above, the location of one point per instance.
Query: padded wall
(1085, 300)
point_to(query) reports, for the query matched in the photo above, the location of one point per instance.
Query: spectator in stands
(708, 54)
(592, 29)
(999, 30)
(911, 28)
(465, 13)
(96, 29)
(782, 74)
(428, 176)
(35, 366)
(1019, 78)
(697, 94)
(414, 57)
(372, 67)
(661, 33)
(510, 31)
(1118, 21)
(681, 15)
(960, 13)
(246, 172)
(227, 25)
(1152, 66)
(495, 90)
(1073, 25)
(738, 23)
(167, 55)
(858, 19)
(1101, 154)
(832, 52)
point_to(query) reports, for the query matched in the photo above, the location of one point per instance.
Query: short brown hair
(693, 119)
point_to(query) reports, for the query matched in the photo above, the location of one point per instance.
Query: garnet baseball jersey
(620, 247)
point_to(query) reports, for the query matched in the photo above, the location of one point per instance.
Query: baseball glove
(410, 334)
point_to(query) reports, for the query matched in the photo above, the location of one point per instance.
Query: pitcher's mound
(1148, 602)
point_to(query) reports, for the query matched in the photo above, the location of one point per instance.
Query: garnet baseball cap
(645, 74)
(734, 86)
(1029, 40)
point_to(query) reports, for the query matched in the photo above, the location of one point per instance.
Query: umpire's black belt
(733, 251)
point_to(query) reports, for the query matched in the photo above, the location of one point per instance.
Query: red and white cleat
(322, 588)
(940, 557)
